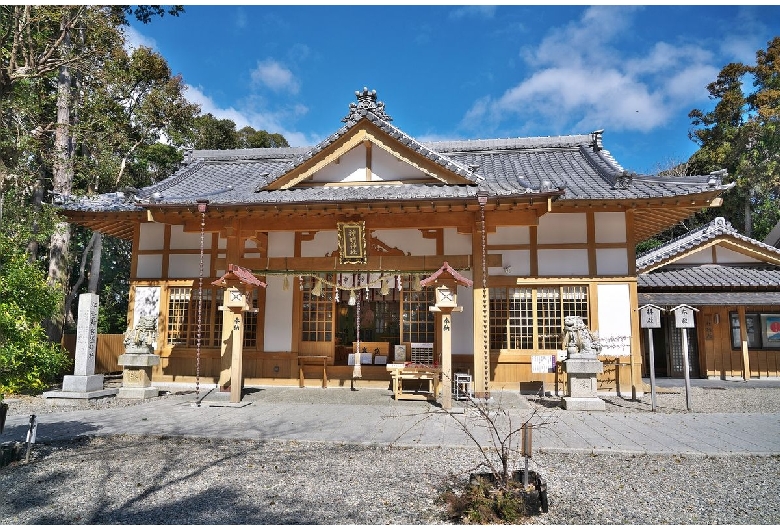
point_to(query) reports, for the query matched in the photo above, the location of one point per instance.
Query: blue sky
(457, 72)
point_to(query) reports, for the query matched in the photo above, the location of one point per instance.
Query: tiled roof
(712, 277)
(711, 298)
(511, 167)
(716, 228)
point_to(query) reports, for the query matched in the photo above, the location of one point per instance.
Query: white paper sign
(649, 317)
(683, 317)
(542, 364)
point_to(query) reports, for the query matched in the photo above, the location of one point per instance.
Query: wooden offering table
(316, 360)
(401, 373)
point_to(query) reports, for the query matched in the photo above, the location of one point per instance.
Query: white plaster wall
(610, 227)
(149, 266)
(562, 228)
(187, 265)
(463, 323)
(697, 258)
(351, 167)
(408, 241)
(510, 235)
(518, 260)
(323, 243)
(281, 244)
(614, 319)
(189, 240)
(221, 243)
(726, 255)
(563, 262)
(278, 316)
(152, 236)
(385, 166)
(611, 262)
(455, 243)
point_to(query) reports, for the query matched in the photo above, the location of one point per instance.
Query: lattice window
(250, 324)
(178, 312)
(317, 320)
(516, 312)
(207, 318)
(418, 321)
(183, 318)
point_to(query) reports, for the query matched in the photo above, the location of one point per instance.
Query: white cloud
(134, 39)
(275, 76)
(271, 121)
(582, 79)
(473, 12)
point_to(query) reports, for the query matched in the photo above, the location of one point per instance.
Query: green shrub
(28, 361)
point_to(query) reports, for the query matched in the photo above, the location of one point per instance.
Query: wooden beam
(375, 263)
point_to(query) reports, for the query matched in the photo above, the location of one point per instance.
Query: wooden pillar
(232, 255)
(744, 341)
(234, 303)
(446, 356)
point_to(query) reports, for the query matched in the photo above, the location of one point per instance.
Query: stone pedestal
(582, 385)
(137, 373)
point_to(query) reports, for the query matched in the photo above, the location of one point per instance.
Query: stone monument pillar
(84, 383)
(581, 366)
(138, 360)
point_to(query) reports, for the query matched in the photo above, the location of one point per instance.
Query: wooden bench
(417, 374)
(313, 360)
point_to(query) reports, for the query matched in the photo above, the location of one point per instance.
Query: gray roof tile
(718, 227)
(712, 277)
(504, 167)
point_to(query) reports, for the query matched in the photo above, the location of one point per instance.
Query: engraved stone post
(84, 383)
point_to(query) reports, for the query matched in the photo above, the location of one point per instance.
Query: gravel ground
(166, 480)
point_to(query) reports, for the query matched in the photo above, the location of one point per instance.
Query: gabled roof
(568, 168)
(718, 231)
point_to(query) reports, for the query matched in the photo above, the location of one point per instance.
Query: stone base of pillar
(137, 375)
(582, 384)
(138, 393)
(59, 397)
(82, 383)
(580, 403)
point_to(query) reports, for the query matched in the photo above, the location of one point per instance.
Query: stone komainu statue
(577, 335)
(143, 334)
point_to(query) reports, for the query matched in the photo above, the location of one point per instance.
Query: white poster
(614, 319)
(542, 364)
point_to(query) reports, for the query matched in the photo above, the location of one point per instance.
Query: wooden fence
(109, 348)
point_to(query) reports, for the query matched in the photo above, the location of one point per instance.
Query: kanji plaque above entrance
(352, 242)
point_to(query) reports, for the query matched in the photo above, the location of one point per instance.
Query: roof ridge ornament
(366, 103)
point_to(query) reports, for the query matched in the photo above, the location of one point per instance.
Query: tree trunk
(62, 184)
(748, 216)
(32, 245)
(94, 272)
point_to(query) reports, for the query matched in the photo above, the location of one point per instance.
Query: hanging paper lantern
(352, 299)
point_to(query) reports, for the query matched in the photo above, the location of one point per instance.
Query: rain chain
(485, 322)
(202, 209)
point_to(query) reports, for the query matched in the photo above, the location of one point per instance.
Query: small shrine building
(543, 227)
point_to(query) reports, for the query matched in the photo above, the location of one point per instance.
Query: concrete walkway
(371, 416)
